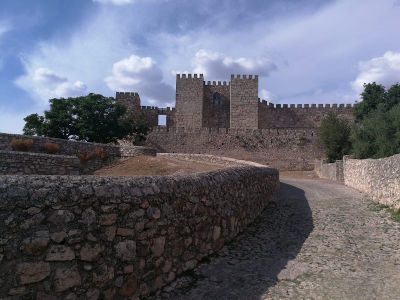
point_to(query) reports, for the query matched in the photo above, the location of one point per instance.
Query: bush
(335, 136)
(21, 144)
(51, 148)
(97, 153)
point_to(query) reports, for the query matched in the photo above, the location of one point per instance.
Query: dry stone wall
(71, 148)
(286, 149)
(378, 178)
(331, 171)
(68, 237)
(20, 163)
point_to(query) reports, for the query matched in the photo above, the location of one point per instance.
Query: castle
(228, 119)
(232, 104)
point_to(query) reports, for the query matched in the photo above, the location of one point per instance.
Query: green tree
(372, 96)
(91, 118)
(377, 131)
(335, 136)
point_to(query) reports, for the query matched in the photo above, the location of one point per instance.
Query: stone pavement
(322, 241)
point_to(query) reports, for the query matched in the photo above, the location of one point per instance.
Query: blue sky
(304, 51)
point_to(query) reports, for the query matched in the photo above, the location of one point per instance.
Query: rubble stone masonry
(93, 237)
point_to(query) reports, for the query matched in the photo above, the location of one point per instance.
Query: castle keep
(233, 104)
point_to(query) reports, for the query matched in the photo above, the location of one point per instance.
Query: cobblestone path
(322, 241)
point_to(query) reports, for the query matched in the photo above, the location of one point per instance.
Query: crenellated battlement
(217, 83)
(127, 94)
(314, 106)
(189, 76)
(249, 77)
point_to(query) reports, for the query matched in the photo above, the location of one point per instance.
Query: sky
(304, 52)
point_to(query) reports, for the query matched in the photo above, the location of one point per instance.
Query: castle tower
(130, 100)
(244, 102)
(189, 100)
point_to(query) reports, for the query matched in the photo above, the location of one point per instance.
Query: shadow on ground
(247, 267)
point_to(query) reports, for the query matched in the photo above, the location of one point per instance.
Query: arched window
(216, 98)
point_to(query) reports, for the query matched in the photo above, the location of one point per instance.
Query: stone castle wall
(295, 116)
(244, 102)
(286, 149)
(216, 110)
(115, 237)
(189, 100)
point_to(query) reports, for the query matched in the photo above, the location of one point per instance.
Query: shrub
(51, 148)
(335, 136)
(98, 153)
(21, 144)
(101, 153)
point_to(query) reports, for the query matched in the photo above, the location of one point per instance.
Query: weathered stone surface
(125, 232)
(108, 219)
(153, 213)
(89, 217)
(91, 253)
(37, 244)
(109, 233)
(103, 275)
(61, 217)
(158, 246)
(32, 272)
(58, 237)
(60, 253)
(129, 288)
(126, 250)
(66, 278)
(216, 233)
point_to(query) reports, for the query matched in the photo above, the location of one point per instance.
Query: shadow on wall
(250, 265)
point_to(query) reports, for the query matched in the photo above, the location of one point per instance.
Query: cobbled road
(322, 241)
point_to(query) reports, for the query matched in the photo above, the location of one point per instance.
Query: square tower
(244, 102)
(189, 100)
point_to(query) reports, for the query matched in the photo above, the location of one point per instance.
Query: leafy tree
(91, 118)
(377, 131)
(335, 135)
(372, 96)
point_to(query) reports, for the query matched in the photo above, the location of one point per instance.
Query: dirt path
(150, 165)
(323, 241)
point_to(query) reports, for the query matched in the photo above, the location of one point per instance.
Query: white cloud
(140, 74)
(45, 84)
(115, 2)
(382, 70)
(219, 66)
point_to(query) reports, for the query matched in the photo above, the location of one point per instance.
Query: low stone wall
(378, 178)
(73, 148)
(331, 171)
(19, 163)
(117, 237)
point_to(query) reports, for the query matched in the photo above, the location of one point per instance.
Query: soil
(150, 165)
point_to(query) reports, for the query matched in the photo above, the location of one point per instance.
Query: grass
(394, 214)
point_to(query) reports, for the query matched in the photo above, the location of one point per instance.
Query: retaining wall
(12, 162)
(117, 237)
(378, 178)
(69, 147)
(285, 149)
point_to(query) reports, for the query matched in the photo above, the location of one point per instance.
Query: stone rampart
(378, 178)
(283, 148)
(118, 237)
(19, 163)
